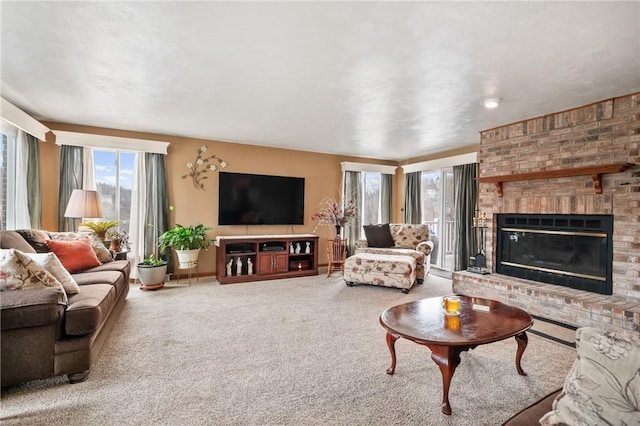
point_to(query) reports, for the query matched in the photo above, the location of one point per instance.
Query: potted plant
(101, 228)
(153, 269)
(187, 242)
(119, 240)
(151, 272)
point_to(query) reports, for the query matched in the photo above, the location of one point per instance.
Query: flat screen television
(248, 199)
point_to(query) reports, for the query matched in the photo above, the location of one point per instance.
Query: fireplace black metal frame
(561, 224)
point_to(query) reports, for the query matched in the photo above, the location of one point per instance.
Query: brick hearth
(602, 133)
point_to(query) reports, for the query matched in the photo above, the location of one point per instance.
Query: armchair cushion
(378, 235)
(407, 235)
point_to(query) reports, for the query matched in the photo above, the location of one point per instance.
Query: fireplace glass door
(571, 251)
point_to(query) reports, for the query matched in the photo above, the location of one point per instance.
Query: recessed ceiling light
(491, 103)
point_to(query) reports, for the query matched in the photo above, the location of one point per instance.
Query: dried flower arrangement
(331, 212)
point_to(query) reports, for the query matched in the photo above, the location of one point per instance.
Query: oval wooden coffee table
(480, 321)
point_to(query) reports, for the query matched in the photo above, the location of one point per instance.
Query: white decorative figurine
(239, 266)
(308, 249)
(297, 247)
(291, 248)
(250, 266)
(229, 267)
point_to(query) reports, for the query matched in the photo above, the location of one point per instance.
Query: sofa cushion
(104, 255)
(33, 308)
(13, 239)
(74, 255)
(19, 272)
(115, 278)
(36, 239)
(87, 310)
(378, 235)
(51, 263)
(603, 386)
(95, 276)
(117, 265)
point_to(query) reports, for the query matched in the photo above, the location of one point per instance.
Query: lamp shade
(84, 203)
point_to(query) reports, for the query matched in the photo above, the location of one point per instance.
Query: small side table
(120, 255)
(336, 254)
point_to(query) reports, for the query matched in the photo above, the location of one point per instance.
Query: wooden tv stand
(271, 257)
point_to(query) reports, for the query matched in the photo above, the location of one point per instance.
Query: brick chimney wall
(601, 133)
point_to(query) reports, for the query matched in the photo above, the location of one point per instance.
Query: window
(4, 179)
(370, 211)
(114, 181)
(438, 213)
(8, 175)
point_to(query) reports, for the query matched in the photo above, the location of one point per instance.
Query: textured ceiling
(388, 80)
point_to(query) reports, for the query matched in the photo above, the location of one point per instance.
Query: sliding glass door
(437, 213)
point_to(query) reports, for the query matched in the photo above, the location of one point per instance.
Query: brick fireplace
(584, 161)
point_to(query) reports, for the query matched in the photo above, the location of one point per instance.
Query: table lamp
(84, 203)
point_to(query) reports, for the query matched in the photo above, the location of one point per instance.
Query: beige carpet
(288, 352)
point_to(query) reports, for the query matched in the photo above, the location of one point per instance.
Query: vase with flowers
(331, 212)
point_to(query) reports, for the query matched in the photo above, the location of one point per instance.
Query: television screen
(247, 199)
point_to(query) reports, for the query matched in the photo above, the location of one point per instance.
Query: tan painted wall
(49, 182)
(322, 173)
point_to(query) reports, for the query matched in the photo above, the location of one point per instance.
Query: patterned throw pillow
(603, 386)
(104, 255)
(19, 272)
(36, 238)
(51, 263)
(74, 255)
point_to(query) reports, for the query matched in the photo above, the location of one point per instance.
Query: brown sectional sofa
(43, 336)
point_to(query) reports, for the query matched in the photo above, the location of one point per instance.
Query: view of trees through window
(437, 212)
(114, 181)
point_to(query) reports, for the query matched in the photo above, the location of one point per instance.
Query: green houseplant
(152, 269)
(101, 228)
(185, 238)
(187, 242)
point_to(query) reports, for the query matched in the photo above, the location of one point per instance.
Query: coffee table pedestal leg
(391, 343)
(522, 340)
(447, 358)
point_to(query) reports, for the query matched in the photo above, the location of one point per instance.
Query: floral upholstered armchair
(406, 240)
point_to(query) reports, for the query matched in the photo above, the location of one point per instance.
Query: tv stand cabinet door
(270, 263)
(265, 263)
(281, 262)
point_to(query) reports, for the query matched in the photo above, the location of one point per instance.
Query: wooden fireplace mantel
(596, 173)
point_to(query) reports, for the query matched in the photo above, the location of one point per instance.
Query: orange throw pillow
(74, 255)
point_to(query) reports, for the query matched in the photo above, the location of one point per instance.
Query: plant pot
(114, 246)
(151, 276)
(188, 259)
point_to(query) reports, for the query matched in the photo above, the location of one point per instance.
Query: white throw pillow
(20, 272)
(52, 264)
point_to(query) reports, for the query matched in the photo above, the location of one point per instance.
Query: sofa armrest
(361, 244)
(425, 247)
(533, 413)
(31, 308)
